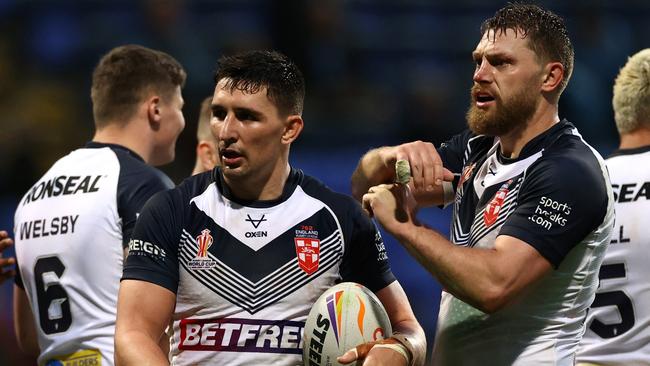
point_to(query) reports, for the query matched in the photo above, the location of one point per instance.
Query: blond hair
(631, 100)
(203, 131)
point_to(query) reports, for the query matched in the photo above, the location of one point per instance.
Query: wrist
(415, 350)
(397, 347)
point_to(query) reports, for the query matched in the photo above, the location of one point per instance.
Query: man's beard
(505, 117)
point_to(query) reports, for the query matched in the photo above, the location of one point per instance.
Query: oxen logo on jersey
(255, 222)
(202, 261)
(493, 208)
(308, 252)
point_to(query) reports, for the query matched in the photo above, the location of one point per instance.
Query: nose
(226, 130)
(483, 72)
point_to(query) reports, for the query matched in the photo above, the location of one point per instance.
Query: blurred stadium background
(378, 72)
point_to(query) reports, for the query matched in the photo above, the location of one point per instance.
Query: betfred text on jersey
(45, 227)
(241, 335)
(62, 186)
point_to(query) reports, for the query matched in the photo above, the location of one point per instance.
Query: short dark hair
(249, 71)
(546, 32)
(124, 74)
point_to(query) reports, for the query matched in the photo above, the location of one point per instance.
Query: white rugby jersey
(70, 231)
(618, 324)
(246, 273)
(556, 197)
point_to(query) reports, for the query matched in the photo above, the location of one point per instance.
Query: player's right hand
(427, 171)
(377, 353)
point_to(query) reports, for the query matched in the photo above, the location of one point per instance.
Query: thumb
(349, 356)
(447, 175)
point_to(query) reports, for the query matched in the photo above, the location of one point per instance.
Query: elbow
(494, 299)
(121, 345)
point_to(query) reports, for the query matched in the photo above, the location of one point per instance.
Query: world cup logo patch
(202, 259)
(204, 241)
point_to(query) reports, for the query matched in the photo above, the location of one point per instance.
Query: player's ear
(208, 155)
(553, 74)
(153, 112)
(292, 128)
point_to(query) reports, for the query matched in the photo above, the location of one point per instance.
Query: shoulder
(194, 185)
(572, 161)
(338, 202)
(133, 169)
(178, 198)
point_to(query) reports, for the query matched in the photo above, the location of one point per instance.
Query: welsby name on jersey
(63, 185)
(43, 228)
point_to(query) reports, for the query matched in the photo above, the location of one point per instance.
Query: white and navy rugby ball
(343, 317)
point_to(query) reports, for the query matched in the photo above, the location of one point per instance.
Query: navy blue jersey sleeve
(365, 260)
(137, 183)
(560, 202)
(153, 248)
(452, 154)
(452, 151)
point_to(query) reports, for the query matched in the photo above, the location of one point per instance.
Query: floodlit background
(377, 72)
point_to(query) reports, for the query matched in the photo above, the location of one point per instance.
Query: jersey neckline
(98, 145)
(293, 180)
(538, 142)
(633, 151)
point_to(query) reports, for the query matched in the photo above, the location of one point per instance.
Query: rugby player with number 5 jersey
(618, 323)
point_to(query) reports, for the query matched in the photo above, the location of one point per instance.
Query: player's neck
(261, 187)
(513, 142)
(637, 138)
(128, 136)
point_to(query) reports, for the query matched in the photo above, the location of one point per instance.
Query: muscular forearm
(137, 348)
(471, 274)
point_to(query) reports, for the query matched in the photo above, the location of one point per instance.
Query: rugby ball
(343, 317)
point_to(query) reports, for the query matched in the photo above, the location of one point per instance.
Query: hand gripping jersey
(556, 197)
(618, 324)
(70, 231)
(246, 273)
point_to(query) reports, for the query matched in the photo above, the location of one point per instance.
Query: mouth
(483, 99)
(230, 157)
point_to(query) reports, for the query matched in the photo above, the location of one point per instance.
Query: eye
(219, 113)
(244, 115)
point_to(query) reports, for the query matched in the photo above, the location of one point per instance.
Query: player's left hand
(390, 204)
(368, 354)
(5, 241)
